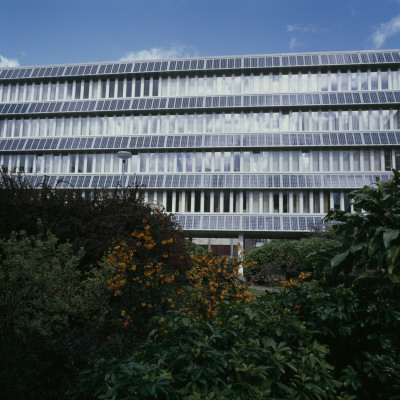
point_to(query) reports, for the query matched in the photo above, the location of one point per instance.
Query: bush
(211, 282)
(42, 290)
(275, 259)
(371, 234)
(253, 351)
(146, 283)
(360, 325)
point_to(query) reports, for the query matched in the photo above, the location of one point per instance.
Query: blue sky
(39, 32)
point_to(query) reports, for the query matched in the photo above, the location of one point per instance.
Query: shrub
(372, 233)
(252, 351)
(42, 290)
(211, 282)
(49, 315)
(360, 325)
(275, 259)
(145, 280)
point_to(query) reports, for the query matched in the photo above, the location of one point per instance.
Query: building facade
(248, 146)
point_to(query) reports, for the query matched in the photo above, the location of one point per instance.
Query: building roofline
(204, 58)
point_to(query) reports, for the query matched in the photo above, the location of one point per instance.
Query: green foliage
(360, 325)
(256, 351)
(41, 288)
(372, 233)
(194, 249)
(308, 254)
(90, 222)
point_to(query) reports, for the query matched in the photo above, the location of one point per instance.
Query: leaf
(391, 256)
(357, 247)
(339, 258)
(390, 235)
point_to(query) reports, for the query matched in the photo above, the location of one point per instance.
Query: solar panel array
(251, 223)
(271, 61)
(214, 102)
(217, 181)
(199, 141)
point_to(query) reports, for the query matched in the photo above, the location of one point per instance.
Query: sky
(43, 32)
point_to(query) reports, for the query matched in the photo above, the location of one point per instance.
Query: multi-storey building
(234, 146)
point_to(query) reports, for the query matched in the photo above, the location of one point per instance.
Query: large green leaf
(390, 235)
(339, 258)
(390, 256)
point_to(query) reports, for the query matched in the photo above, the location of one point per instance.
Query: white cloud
(385, 30)
(294, 42)
(160, 53)
(7, 62)
(305, 28)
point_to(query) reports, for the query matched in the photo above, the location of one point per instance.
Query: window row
(202, 85)
(280, 121)
(259, 162)
(252, 202)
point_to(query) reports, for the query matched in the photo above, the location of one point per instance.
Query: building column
(240, 250)
(183, 205)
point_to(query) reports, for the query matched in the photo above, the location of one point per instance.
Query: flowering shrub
(293, 281)
(145, 282)
(145, 279)
(213, 282)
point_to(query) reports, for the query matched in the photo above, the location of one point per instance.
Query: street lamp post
(124, 155)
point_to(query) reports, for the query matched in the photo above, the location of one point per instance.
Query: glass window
(346, 160)
(364, 81)
(69, 91)
(236, 164)
(295, 161)
(345, 120)
(111, 90)
(155, 86)
(356, 160)
(275, 160)
(335, 160)
(265, 161)
(285, 161)
(306, 202)
(276, 202)
(384, 80)
(120, 90)
(377, 160)
(354, 81)
(334, 82)
(325, 120)
(86, 90)
(323, 82)
(374, 80)
(305, 161)
(89, 163)
(355, 120)
(129, 87)
(146, 87)
(388, 160)
(285, 122)
(344, 82)
(367, 160)
(103, 89)
(325, 160)
(137, 87)
(95, 89)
